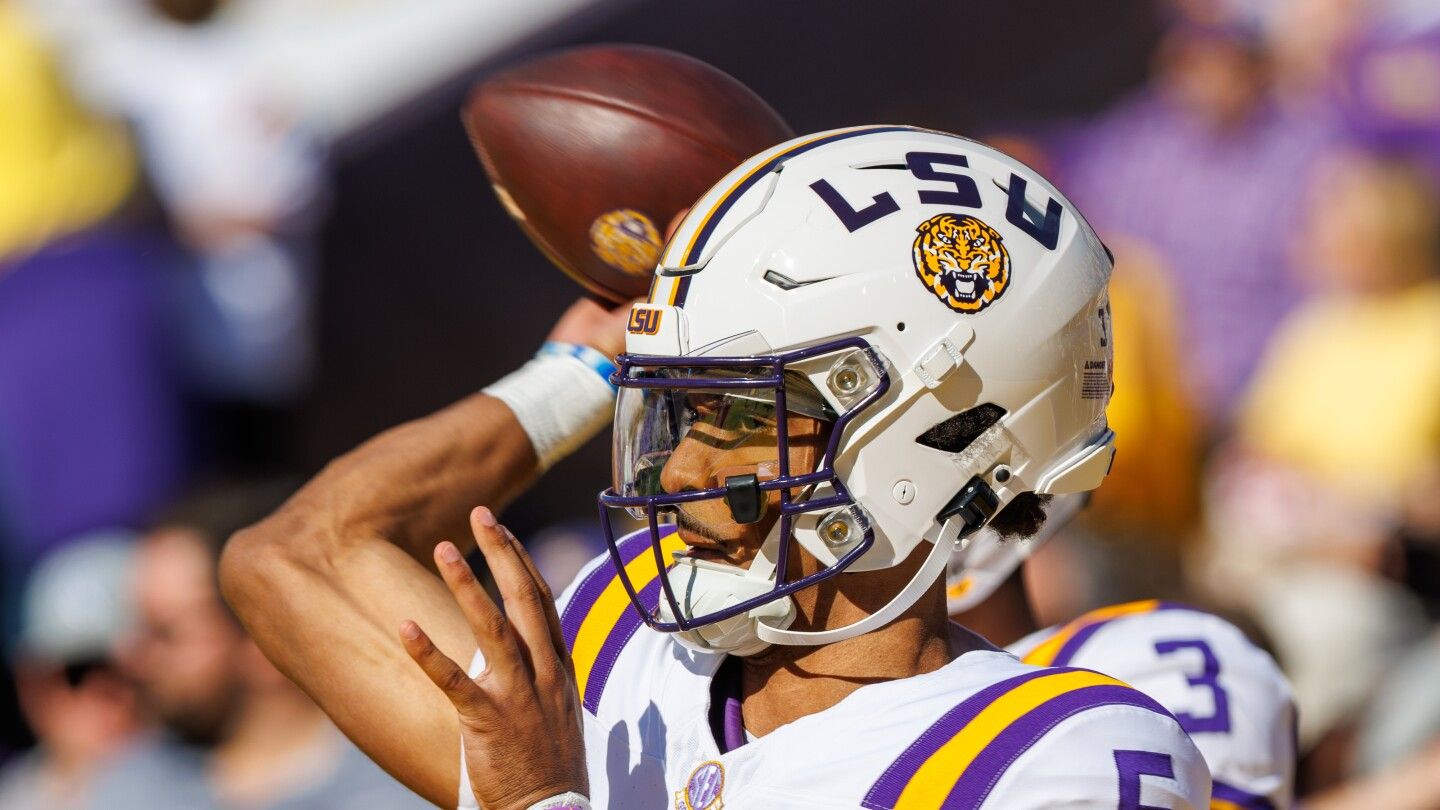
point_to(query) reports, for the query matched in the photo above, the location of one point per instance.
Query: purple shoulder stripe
(1071, 648)
(620, 635)
(1240, 798)
(886, 791)
(595, 583)
(975, 784)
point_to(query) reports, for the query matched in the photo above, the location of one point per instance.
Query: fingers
(488, 625)
(525, 594)
(439, 668)
(552, 615)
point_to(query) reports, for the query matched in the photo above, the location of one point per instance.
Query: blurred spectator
(81, 710)
(1405, 716)
(1337, 437)
(1375, 63)
(236, 732)
(1349, 392)
(1308, 39)
(91, 432)
(1205, 168)
(240, 179)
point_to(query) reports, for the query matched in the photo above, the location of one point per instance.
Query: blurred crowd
(1271, 199)
(1271, 194)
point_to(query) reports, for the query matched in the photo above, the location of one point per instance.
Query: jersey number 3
(1218, 721)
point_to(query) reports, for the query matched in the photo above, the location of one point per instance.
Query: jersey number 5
(1218, 721)
(1132, 765)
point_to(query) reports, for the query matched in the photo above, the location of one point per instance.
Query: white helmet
(936, 301)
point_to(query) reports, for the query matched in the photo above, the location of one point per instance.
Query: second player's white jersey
(985, 731)
(1228, 694)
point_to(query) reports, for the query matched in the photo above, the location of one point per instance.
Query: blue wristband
(593, 358)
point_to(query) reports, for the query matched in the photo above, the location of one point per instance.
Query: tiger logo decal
(961, 261)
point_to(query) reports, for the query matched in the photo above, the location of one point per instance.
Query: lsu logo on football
(644, 321)
(626, 240)
(961, 261)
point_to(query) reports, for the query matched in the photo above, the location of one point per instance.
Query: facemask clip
(974, 504)
(742, 495)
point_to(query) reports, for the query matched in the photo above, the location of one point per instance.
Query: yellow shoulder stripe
(935, 778)
(611, 605)
(1044, 654)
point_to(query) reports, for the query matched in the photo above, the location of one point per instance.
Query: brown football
(593, 150)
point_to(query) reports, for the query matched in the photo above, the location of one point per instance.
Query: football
(593, 151)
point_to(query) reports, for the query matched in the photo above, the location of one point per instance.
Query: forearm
(414, 484)
(1414, 783)
(323, 584)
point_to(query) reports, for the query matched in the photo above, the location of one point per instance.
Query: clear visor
(704, 435)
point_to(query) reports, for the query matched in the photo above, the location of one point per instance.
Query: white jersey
(1228, 694)
(983, 731)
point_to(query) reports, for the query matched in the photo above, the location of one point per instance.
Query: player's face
(733, 436)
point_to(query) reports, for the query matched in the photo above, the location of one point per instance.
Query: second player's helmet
(928, 311)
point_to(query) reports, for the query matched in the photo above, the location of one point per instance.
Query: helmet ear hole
(956, 433)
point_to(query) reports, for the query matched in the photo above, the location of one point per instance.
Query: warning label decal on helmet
(961, 261)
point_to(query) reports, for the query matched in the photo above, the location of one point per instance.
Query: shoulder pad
(958, 760)
(1062, 646)
(599, 618)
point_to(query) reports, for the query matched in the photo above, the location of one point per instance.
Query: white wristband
(565, 801)
(561, 401)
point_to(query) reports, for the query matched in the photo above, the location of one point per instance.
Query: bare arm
(324, 583)
(1414, 783)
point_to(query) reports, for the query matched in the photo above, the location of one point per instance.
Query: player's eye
(702, 406)
(755, 421)
(749, 416)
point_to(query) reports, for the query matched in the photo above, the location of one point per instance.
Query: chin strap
(929, 572)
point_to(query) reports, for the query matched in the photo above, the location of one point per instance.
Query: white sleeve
(467, 794)
(1229, 696)
(1111, 757)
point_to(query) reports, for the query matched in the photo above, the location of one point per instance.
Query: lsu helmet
(935, 304)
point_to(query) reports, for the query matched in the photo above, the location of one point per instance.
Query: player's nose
(687, 468)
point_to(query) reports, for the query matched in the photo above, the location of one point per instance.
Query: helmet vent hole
(956, 433)
(900, 327)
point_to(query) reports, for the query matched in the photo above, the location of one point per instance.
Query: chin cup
(705, 586)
